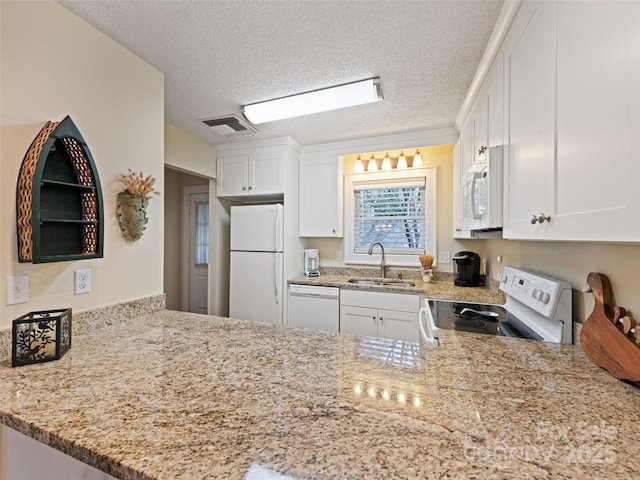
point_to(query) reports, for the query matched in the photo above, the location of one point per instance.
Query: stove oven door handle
(431, 337)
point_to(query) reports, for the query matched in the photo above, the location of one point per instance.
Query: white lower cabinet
(380, 314)
(24, 458)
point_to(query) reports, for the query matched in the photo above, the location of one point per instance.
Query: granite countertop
(441, 288)
(172, 395)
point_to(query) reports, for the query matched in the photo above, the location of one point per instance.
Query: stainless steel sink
(382, 281)
(399, 283)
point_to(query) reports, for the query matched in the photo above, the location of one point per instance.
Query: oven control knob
(544, 297)
(502, 277)
(535, 293)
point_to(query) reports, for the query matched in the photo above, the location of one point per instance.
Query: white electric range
(537, 307)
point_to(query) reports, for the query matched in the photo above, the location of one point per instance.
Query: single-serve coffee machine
(311, 262)
(466, 269)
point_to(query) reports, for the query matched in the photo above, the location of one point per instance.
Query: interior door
(195, 283)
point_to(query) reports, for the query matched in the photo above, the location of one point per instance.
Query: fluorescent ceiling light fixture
(333, 98)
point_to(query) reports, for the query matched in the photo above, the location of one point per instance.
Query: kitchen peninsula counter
(172, 395)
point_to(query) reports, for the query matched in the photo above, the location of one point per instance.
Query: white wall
(55, 64)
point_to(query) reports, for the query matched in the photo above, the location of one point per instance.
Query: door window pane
(202, 234)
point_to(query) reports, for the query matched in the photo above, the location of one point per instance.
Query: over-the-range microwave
(482, 192)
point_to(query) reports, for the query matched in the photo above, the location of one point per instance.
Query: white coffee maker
(311, 262)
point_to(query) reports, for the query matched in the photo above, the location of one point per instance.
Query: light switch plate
(83, 281)
(17, 289)
(444, 257)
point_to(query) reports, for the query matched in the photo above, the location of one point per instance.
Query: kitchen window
(396, 209)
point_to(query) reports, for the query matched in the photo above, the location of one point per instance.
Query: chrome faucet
(382, 259)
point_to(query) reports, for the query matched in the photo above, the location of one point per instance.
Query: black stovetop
(495, 320)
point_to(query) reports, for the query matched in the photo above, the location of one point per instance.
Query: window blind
(202, 234)
(392, 214)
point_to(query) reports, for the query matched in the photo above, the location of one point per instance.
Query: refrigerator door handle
(277, 233)
(277, 276)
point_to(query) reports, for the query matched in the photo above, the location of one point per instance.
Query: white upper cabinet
(598, 122)
(495, 102)
(233, 174)
(321, 187)
(573, 117)
(254, 174)
(461, 162)
(479, 128)
(483, 128)
(529, 159)
(257, 172)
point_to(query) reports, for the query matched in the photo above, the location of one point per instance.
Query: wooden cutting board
(602, 337)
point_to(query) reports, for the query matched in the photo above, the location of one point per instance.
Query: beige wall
(188, 153)
(572, 262)
(55, 64)
(438, 156)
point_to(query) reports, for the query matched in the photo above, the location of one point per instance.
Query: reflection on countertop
(186, 396)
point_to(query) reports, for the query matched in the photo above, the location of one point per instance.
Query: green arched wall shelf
(59, 200)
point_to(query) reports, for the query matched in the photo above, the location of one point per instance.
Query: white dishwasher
(312, 306)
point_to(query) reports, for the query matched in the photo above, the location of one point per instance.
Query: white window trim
(429, 174)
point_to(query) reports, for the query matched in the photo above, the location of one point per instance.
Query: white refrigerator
(256, 281)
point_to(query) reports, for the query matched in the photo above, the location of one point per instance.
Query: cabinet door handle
(381, 319)
(333, 230)
(250, 187)
(244, 188)
(374, 317)
(540, 218)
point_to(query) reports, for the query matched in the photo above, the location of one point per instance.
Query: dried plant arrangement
(137, 183)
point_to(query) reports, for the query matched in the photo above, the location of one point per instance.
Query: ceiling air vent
(230, 126)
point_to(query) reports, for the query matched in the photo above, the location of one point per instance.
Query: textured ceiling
(219, 55)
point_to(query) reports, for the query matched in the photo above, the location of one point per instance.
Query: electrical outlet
(444, 257)
(338, 254)
(17, 289)
(83, 281)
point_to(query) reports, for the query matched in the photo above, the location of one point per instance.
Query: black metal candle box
(41, 336)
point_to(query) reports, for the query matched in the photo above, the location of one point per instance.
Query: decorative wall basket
(58, 198)
(132, 204)
(132, 215)
(41, 337)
